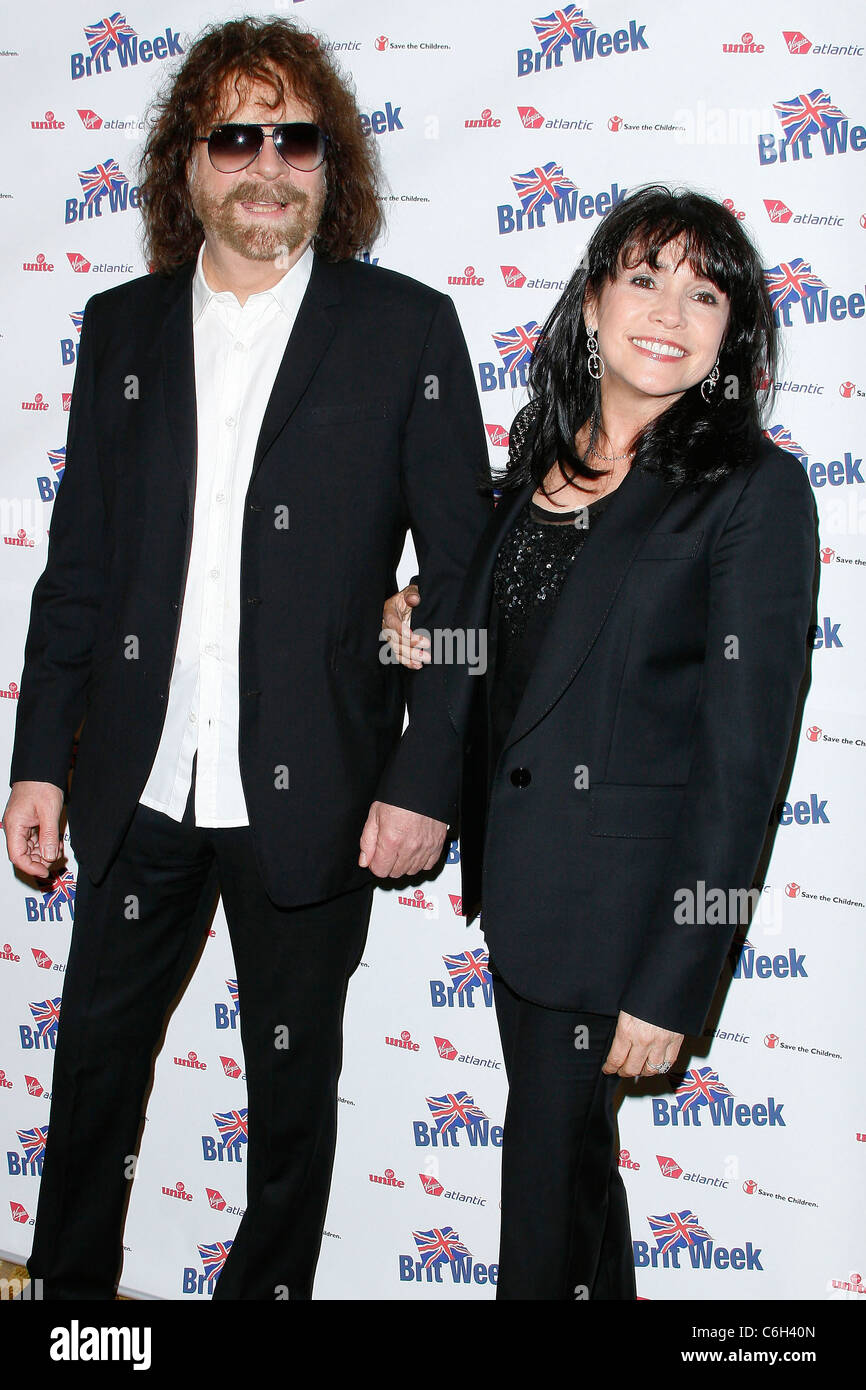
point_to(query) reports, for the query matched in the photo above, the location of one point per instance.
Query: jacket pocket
(634, 812)
(671, 545)
(326, 416)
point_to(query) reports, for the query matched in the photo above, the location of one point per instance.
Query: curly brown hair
(289, 62)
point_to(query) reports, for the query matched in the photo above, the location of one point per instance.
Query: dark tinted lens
(233, 147)
(300, 144)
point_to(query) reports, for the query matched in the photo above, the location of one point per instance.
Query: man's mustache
(273, 193)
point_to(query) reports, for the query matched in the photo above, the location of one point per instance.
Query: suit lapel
(311, 334)
(588, 593)
(178, 374)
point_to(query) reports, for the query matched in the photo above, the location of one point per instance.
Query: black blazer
(373, 425)
(670, 671)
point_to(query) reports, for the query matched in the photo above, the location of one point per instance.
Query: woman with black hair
(646, 583)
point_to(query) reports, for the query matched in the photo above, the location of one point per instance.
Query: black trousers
(564, 1225)
(135, 937)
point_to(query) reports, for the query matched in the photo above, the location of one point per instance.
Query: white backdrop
(468, 101)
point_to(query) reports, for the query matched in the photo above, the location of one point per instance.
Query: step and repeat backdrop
(506, 133)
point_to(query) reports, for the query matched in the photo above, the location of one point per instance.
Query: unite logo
(468, 971)
(681, 1230)
(40, 264)
(48, 123)
(178, 1191)
(4, 1084)
(190, 1060)
(6, 953)
(404, 1042)
(486, 121)
(386, 1179)
(421, 903)
(114, 38)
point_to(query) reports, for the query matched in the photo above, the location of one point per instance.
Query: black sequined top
(531, 566)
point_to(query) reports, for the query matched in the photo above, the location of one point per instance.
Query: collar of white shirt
(287, 292)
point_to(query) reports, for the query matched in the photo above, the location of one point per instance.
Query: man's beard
(269, 241)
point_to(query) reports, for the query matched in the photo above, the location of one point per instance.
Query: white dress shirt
(238, 349)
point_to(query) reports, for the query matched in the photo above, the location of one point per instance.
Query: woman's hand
(641, 1049)
(411, 649)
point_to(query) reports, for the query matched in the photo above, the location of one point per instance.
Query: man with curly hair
(254, 427)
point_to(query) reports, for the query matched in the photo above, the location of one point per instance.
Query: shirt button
(521, 777)
(214, 574)
(220, 497)
(240, 347)
(192, 717)
(211, 648)
(230, 419)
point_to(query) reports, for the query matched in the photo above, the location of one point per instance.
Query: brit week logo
(515, 347)
(702, 1096)
(28, 1163)
(112, 40)
(680, 1233)
(228, 1015)
(470, 984)
(231, 1138)
(794, 284)
(203, 1281)
(455, 1116)
(803, 117)
(48, 905)
(547, 186)
(441, 1249)
(41, 1033)
(569, 34)
(103, 180)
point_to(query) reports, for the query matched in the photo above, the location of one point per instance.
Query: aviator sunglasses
(231, 147)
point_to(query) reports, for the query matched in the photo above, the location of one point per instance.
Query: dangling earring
(708, 383)
(595, 366)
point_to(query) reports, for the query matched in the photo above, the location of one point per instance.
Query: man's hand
(31, 822)
(411, 649)
(395, 842)
(639, 1049)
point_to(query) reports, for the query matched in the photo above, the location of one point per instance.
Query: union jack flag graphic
(555, 30)
(63, 887)
(107, 34)
(516, 345)
(32, 1142)
(77, 317)
(543, 184)
(790, 281)
(101, 179)
(232, 1126)
(677, 1230)
(699, 1086)
(232, 987)
(57, 459)
(782, 437)
(455, 1110)
(213, 1257)
(468, 969)
(46, 1015)
(807, 113)
(439, 1246)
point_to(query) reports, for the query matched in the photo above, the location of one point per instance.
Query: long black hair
(691, 441)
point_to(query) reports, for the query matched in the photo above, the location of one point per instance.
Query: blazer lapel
(588, 593)
(178, 374)
(311, 333)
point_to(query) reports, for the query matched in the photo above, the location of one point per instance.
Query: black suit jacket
(373, 426)
(670, 672)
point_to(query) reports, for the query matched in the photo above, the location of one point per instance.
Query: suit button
(173, 605)
(521, 777)
(254, 507)
(253, 600)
